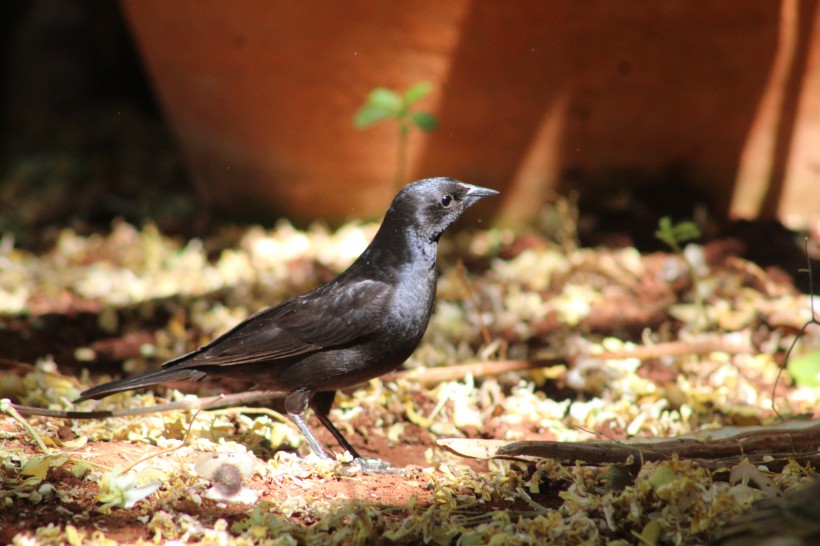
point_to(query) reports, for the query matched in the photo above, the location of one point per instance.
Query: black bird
(362, 324)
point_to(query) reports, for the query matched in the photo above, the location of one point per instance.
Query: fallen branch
(432, 376)
(674, 348)
(792, 440)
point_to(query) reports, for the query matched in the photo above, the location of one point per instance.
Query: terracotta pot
(531, 96)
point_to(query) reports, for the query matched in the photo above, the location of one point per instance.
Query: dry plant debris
(528, 342)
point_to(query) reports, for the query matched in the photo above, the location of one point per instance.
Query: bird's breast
(412, 303)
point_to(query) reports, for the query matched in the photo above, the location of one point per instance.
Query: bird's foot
(373, 466)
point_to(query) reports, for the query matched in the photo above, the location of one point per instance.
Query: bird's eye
(446, 201)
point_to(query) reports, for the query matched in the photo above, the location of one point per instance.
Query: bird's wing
(332, 315)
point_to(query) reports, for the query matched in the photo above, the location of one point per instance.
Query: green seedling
(675, 235)
(386, 104)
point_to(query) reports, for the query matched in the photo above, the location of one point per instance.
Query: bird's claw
(374, 466)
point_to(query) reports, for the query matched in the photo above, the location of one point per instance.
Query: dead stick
(673, 348)
(432, 376)
(211, 402)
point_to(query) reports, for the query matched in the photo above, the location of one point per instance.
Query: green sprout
(673, 235)
(383, 104)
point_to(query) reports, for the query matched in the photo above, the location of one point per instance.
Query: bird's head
(429, 206)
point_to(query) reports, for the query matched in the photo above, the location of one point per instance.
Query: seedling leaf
(417, 92)
(805, 369)
(386, 99)
(368, 115)
(425, 121)
(674, 234)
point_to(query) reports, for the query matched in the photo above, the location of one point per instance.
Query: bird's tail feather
(144, 380)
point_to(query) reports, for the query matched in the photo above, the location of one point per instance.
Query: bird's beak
(476, 194)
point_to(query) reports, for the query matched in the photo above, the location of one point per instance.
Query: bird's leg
(295, 404)
(321, 404)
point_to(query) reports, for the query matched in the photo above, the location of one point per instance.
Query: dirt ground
(614, 343)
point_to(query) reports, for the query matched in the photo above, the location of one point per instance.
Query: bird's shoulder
(348, 301)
